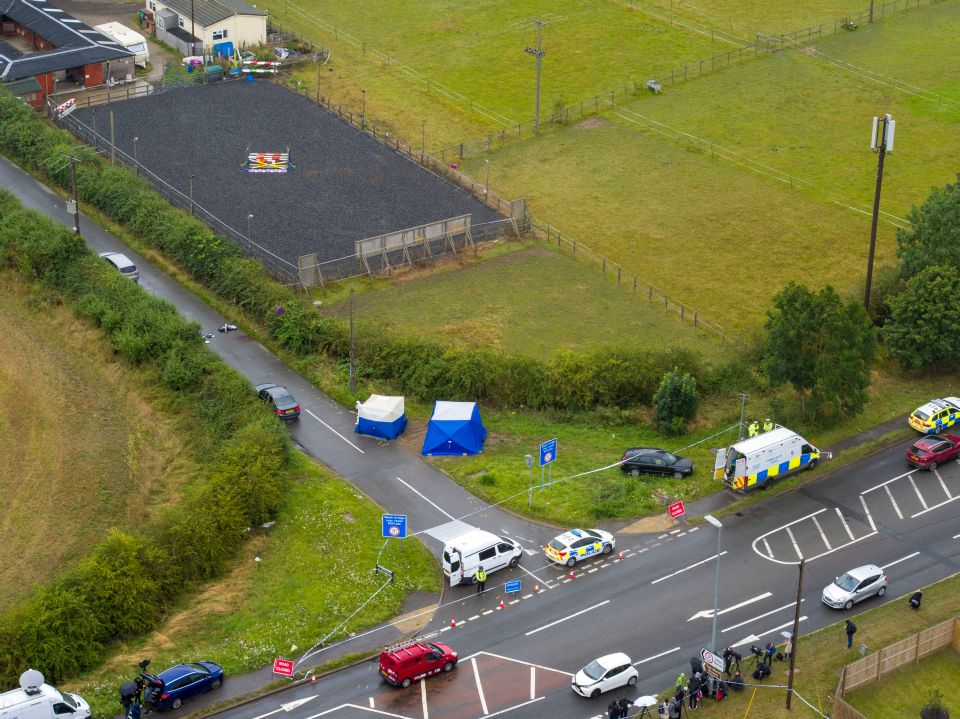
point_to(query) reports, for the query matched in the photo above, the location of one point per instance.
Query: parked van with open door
(757, 461)
(464, 555)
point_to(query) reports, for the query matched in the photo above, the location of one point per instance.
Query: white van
(755, 462)
(464, 555)
(36, 700)
(128, 39)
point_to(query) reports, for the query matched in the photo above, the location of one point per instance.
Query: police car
(936, 415)
(578, 544)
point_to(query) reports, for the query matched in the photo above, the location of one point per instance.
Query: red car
(933, 450)
(413, 660)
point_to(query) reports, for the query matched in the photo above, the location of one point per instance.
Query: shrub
(676, 402)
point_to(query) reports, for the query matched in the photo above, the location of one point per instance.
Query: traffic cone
(620, 556)
(453, 623)
(571, 574)
(313, 677)
(501, 605)
(536, 588)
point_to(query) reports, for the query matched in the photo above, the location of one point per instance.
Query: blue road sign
(395, 526)
(548, 451)
(512, 586)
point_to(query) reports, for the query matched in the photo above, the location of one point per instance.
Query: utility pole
(136, 160)
(191, 196)
(353, 375)
(871, 11)
(193, 37)
(76, 205)
(793, 638)
(538, 53)
(743, 402)
(881, 142)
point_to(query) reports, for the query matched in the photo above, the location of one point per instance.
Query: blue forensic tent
(381, 417)
(455, 429)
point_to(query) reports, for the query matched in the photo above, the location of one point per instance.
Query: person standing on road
(613, 710)
(851, 629)
(624, 707)
(481, 580)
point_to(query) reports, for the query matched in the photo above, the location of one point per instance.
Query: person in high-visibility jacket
(481, 580)
(753, 429)
(767, 424)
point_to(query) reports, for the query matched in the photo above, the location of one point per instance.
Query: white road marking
(897, 561)
(475, 616)
(427, 500)
(275, 711)
(592, 570)
(489, 611)
(516, 706)
(823, 535)
(360, 708)
(533, 683)
(796, 547)
(524, 569)
(919, 496)
(866, 511)
(483, 699)
(674, 531)
(290, 706)
(333, 430)
(559, 621)
(662, 536)
(517, 661)
(656, 656)
(423, 696)
(936, 506)
(371, 703)
(697, 564)
(893, 502)
(956, 536)
(527, 596)
(605, 564)
(762, 616)
(946, 491)
(708, 613)
(769, 551)
(884, 484)
(515, 601)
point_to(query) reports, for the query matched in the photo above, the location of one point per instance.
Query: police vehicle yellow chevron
(936, 415)
(579, 544)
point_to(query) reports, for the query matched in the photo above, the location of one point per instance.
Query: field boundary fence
(874, 667)
(638, 286)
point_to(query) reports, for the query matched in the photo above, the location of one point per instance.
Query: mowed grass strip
(902, 695)
(315, 569)
(84, 449)
(530, 301)
(477, 49)
(721, 239)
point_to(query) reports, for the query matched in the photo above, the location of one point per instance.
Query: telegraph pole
(538, 53)
(881, 142)
(353, 375)
(76, 205)
(193, 37)
(793, 638)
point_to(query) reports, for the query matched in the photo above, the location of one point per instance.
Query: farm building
(45, 45)
(195, 26)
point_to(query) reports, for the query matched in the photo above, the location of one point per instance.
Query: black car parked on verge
(649, 460)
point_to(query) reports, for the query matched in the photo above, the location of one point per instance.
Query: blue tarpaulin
(455, 429)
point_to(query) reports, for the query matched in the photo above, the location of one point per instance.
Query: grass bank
(904, 694)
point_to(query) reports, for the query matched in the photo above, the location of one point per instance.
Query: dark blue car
(183, 682)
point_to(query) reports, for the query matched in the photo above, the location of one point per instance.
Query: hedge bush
(423, 369)
(123, 587)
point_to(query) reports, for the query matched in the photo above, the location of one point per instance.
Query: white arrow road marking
(575, 614)
(333, 430)
(897, 561)
(766, 614)
(275, 711)
(290, 706)
(708, 613)
(697, 564)
(656, 656)
(756, 637)
(427, 500)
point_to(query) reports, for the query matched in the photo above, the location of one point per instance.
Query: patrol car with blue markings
(759, 461)
(579, 544)
(936, 415)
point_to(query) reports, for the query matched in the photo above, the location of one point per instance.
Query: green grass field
(303, 587)
(903, 694)
(84, 447)
(537, 308)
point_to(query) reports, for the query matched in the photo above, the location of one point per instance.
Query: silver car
(855, 586)
(123, 264)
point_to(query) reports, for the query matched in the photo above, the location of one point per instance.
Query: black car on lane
(280, 400)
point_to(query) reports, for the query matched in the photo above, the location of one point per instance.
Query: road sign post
(394, 526)
(713, 663)
(548, 455)
(284, 667)
(512, 587)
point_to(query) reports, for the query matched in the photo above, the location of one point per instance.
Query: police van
(758, 461)
(36, 700)
(464, 555)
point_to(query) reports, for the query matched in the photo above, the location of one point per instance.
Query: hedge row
(126, 583)
(420, 368)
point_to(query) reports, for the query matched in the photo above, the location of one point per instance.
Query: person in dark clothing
(769, 652)
(851, 629)
(624, 707)
(694, 691)
(737, 682)
(916, 599)
(675, 708)
(613, 710)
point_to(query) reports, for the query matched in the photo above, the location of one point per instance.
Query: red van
(402, 664)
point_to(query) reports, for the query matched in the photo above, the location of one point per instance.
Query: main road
(654, 602)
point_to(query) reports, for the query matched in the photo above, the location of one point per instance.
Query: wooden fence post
(574, 247)
(604, 266)
(650, 294)
(634, 284)
(618, 275)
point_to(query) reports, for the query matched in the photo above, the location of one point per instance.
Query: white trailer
(127, 39)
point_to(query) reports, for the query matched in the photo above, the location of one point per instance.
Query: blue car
(183, 682)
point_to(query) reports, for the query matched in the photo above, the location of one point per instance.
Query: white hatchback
(603, 674)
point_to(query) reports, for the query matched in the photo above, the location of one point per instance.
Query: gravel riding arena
(342, 186)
